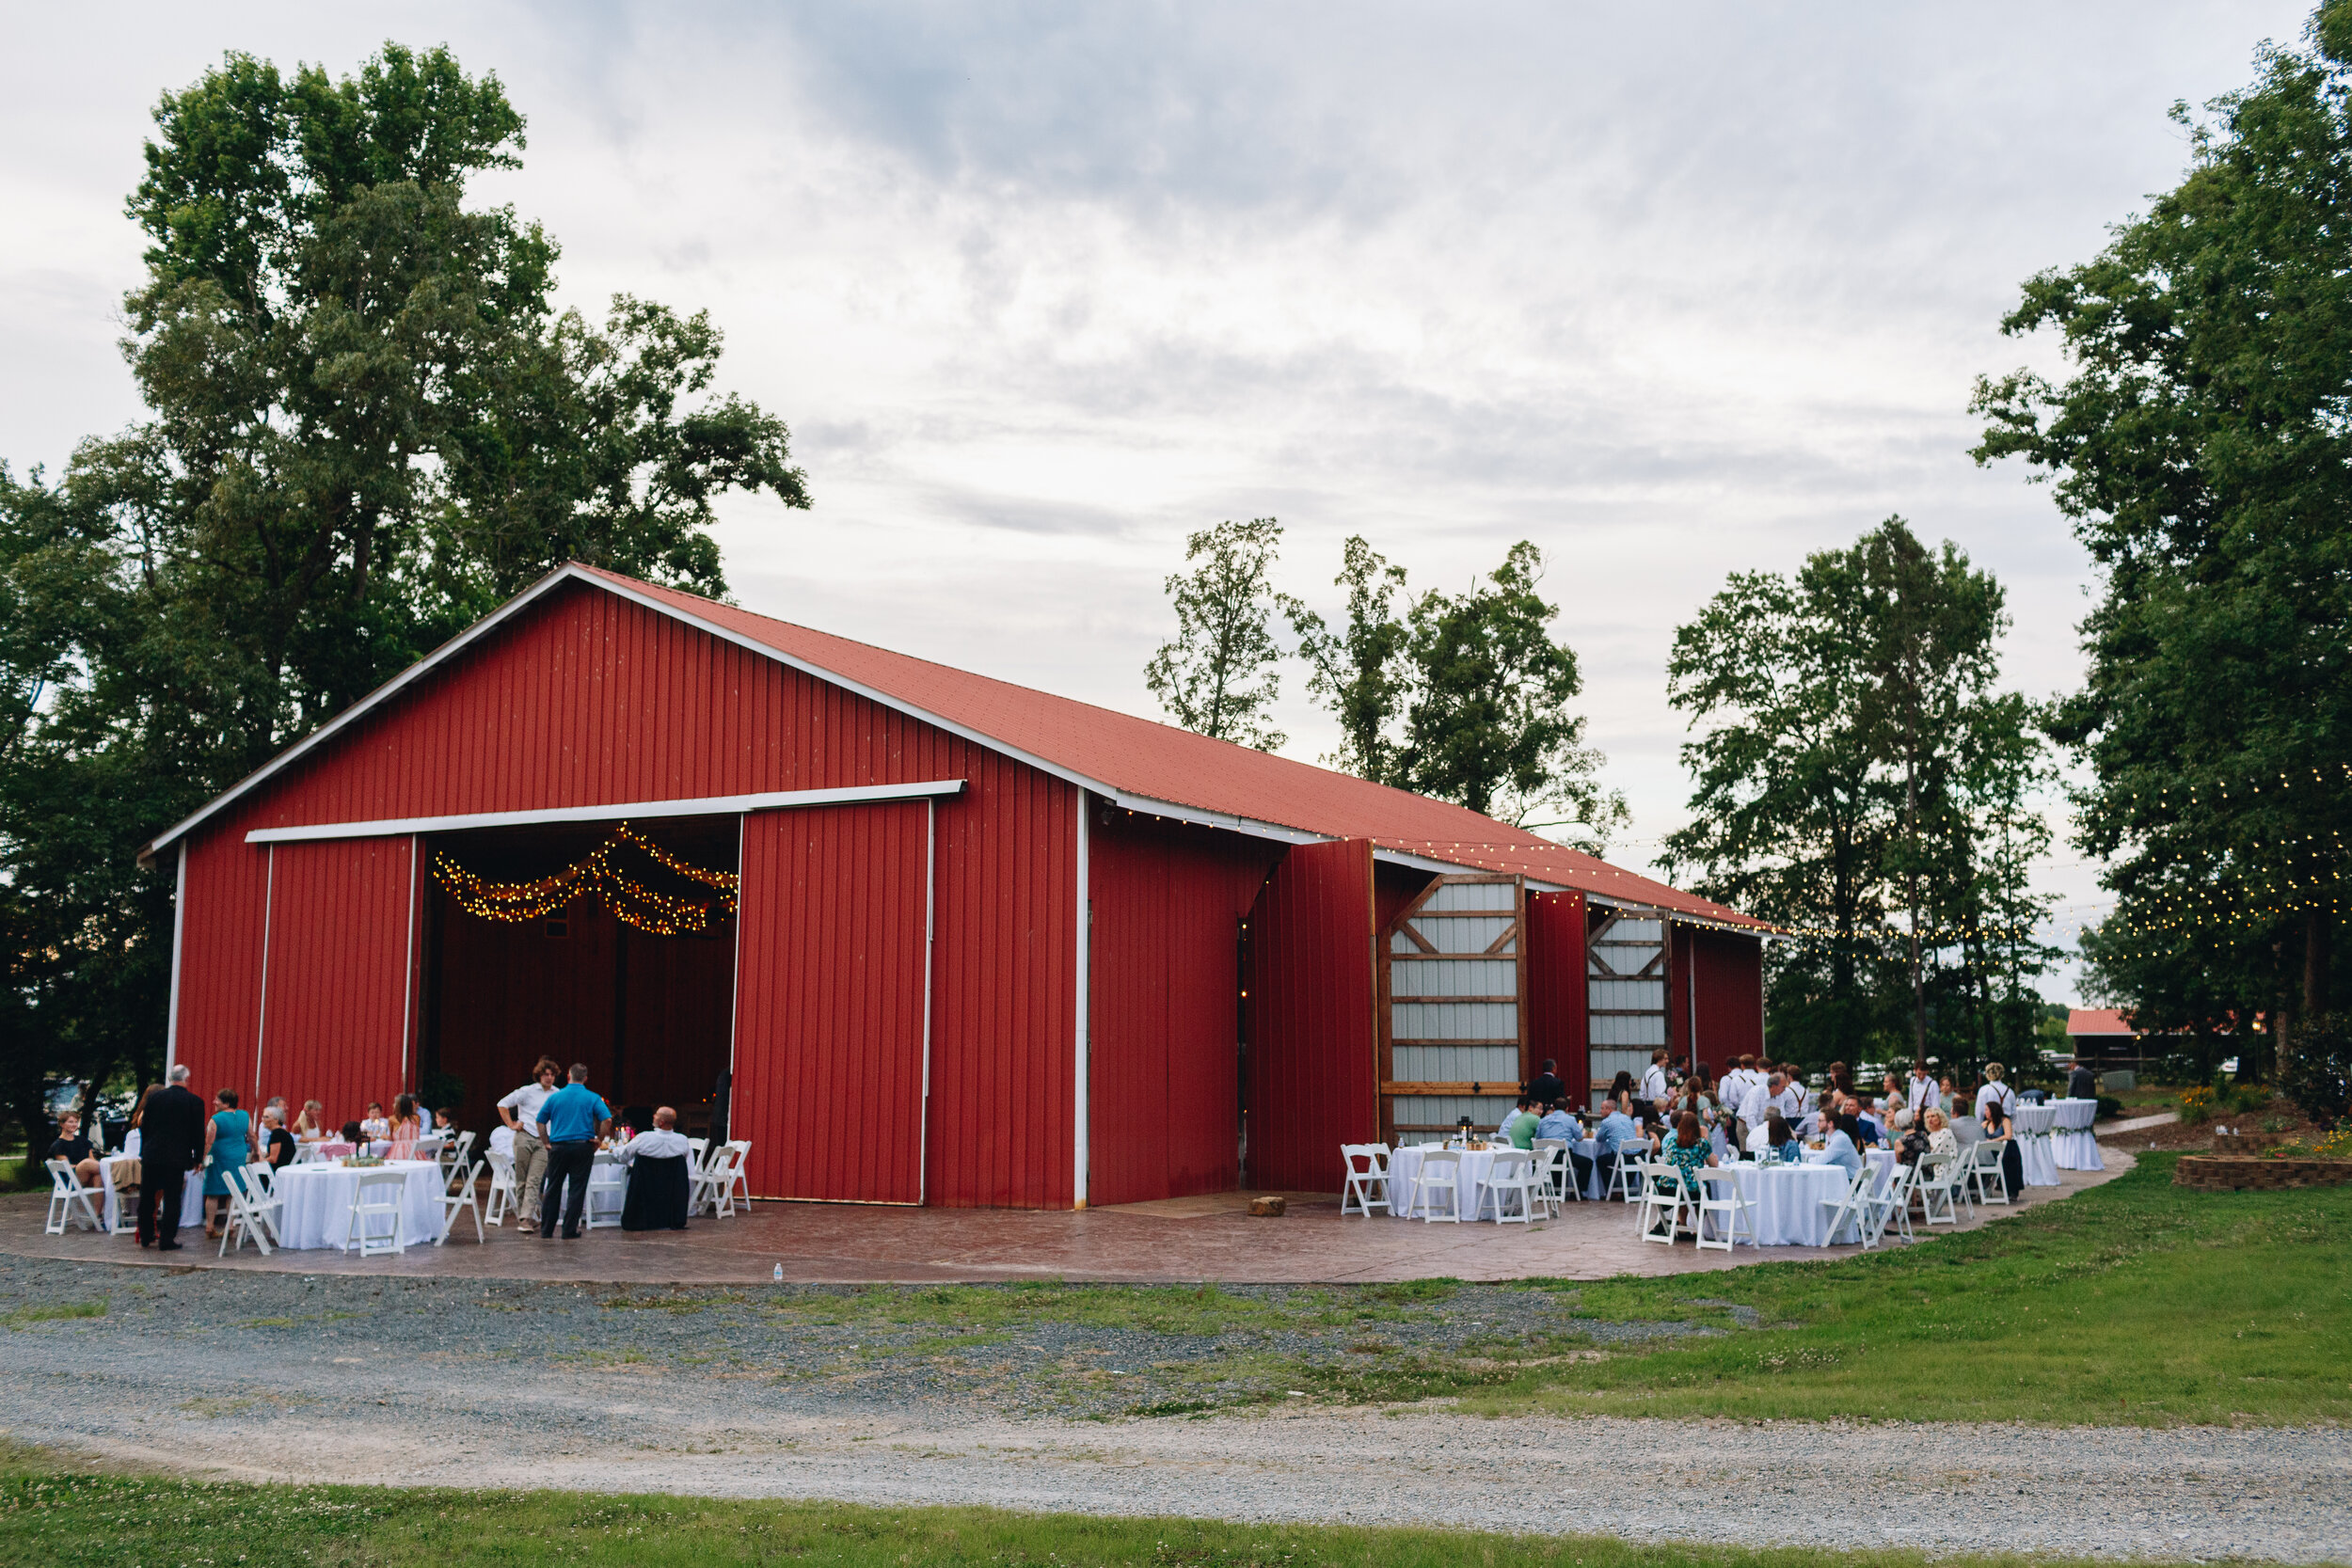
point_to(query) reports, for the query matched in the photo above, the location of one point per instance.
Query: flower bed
(2258, 1173)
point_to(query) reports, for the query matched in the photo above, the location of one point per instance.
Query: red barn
(921, 935)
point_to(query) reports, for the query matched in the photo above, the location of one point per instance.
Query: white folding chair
(1364, 1168)
(68, 1200)
(456, 1155)
(1666, 1210)
(741, 1193)
(607, 1179)
(1722, 1199)
(1513, 1172)
(1555, 1175)
(503, 1193)
(383, 1194)
(253, 1210)
(1625, 1176)
(1937, 1187)
(714, 1188)
(459, 1199)
(1441, 1171)
(1986, 1182)
(697, 1150)
(1886, 1201)
(1848, 1206)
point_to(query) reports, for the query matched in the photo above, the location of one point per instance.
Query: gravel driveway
(463, 1383)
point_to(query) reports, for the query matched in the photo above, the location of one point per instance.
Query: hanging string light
(628, 898)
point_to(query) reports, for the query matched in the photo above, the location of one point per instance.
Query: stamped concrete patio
(1176, 1241)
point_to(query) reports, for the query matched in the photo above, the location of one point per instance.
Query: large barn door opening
(1453, 991)
(831, 982)
(1626, 962)
(1311, 1080)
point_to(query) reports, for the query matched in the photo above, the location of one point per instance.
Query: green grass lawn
(61, 1519)
(2135, 1303)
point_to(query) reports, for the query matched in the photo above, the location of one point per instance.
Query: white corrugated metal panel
(1469, 934)
(1454, 1021)
(1447, 1110)
(1476, 895)
(1476, 977)
(1642, 1029)
(1608, 1064)
(1651, 931)
(1627, 995)
(1458, 1063)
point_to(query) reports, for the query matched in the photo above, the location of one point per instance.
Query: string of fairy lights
(629, 900)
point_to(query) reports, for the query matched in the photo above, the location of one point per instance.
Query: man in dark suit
(2082, 1084)
(171, 1141)
(1547, 1089)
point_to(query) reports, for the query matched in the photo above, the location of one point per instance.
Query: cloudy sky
(1671, 290)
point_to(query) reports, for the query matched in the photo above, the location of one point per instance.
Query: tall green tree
(367, 423)
(1219, 675)
(2199, 443)
(1854, 761)
(1360, 672)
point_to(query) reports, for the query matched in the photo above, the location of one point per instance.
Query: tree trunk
(2318, 927)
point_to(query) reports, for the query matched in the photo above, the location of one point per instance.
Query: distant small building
(2101, 1033)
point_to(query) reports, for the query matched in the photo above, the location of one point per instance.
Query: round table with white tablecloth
(1404, 1166)
(2073, 1145)
(112, 1216)
(1785, 1202)
(315, 1203)
(2034, 1154)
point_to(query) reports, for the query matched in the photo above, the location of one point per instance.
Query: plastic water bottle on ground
(779, 1274)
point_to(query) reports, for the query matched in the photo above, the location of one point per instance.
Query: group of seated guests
(1690, 1129)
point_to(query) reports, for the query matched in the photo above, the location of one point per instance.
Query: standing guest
(1944, 1100)
(1921, 1089)
(1520, 1126)
(2082, 1084)
(279, 1143)
(375, 1125)
(228, 1146)
(74, 1149)
(138, 1113)
(1995, 1091)
(1546, 1088)
(310, 1126)
(1653, 1091)
(659, 1180)
(520, 1112)
(1763, 1101)
(568, 1121)
(172, 1134)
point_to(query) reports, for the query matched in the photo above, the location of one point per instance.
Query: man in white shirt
(1791, 1094)
(520, 1112)
(1920, 1091)
(1653, 1089)
(1734, 1088)
(662, 1205)
(1758, 1107)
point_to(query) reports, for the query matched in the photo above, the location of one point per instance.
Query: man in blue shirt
(569, 1122)
(1615, 1132)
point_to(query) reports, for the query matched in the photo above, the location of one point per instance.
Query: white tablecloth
(112, 1216)
(1477, 1203)
(2073, 1145)
(315, 1203)
(2034, 1152)
(1784, 1201)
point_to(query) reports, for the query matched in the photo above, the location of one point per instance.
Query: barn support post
(409, 977)
(261, 1015)
(178, 929)
(1080, 1091)
(931, 887)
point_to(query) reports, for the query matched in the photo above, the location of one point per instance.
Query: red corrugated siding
(220, 960)
(1557, 997)
(1163, 995)
(337, 1025)
(1730, 974)
(586, 699)
(829, 989)
(1312, 1084)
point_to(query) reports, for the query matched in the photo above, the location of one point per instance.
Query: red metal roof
(1160, 762)
(2097, 1021)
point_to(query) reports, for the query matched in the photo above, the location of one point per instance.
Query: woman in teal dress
(227, 1145)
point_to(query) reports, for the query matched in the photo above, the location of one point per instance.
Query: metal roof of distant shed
(1142, 765)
